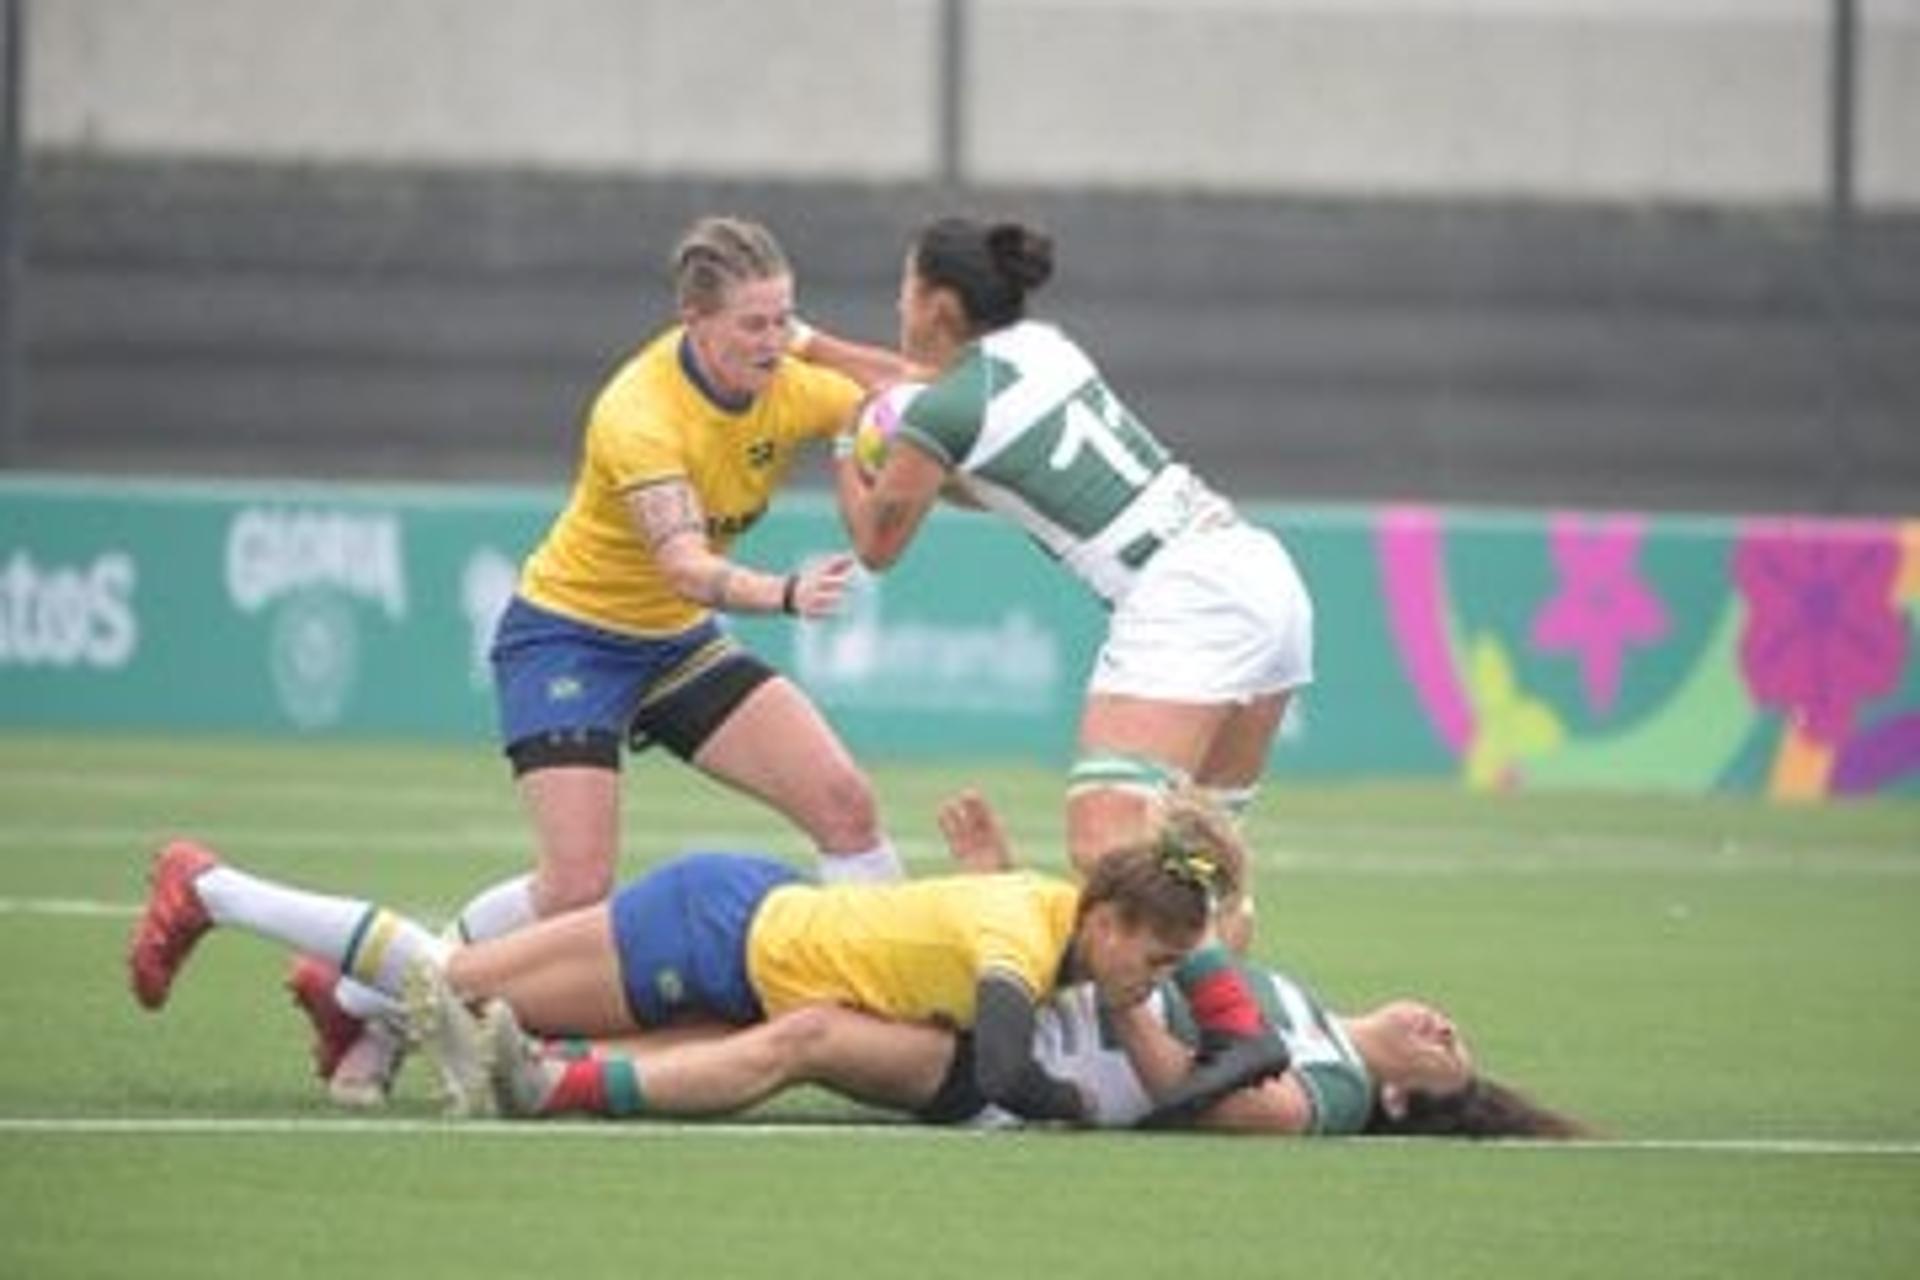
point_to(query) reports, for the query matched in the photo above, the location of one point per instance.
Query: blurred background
(1643, 254)
(1572, 346)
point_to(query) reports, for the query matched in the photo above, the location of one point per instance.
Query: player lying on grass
(736, 939)
(1399, 1068)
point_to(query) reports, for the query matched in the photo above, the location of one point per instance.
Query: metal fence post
(13, 61)
(950, 109)
(1842, 130)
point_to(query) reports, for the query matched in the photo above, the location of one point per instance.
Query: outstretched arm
(867, 364)
(711, 1069)
(673, 524)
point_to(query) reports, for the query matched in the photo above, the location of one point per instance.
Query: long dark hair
(1483, 1109)
(991, 267)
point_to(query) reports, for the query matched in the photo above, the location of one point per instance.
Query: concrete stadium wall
(1697, 101)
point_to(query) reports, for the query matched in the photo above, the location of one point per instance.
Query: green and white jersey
(1073, 1041)
(1033, 431)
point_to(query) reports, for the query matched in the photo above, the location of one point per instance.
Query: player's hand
(973, 833)
(819, 587)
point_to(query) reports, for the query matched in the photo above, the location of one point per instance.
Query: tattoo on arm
(717, 585)
(669, 509)
(890, 517)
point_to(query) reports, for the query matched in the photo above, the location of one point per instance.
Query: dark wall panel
(364, 323)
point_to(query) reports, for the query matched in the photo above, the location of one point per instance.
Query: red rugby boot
(172, 923)
(311, 982)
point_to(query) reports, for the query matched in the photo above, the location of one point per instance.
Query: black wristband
(788, 591)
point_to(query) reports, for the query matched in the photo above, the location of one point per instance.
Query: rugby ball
(879, 419)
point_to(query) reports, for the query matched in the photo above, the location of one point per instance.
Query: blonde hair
(1175, 875)
(717, 253)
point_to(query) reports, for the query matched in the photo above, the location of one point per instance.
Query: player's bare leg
(1170, 739)
(1231, 774)
(777, 747)
(575, 811)
(1144, 737)
(562, 972)
(721, 1070)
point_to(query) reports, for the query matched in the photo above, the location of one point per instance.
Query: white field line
(928, 857)
(67, 907)
(270, 1126)
(426, 820)
(86, 909)
(1307, 843)
(137, 839)
(319, 791)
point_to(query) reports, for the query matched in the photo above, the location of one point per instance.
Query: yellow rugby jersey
(653, 422)
(912, 950)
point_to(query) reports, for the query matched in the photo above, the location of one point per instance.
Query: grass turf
(1727, 990)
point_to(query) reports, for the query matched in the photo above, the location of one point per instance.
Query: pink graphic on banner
(1878, 756)
(1822, 634)
(1603, 606)
(1413, 574)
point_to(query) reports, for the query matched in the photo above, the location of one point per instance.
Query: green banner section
(1555, 649)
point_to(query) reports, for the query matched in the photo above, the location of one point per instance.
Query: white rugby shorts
(1219, 615)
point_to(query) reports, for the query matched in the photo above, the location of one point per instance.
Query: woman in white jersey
(1400, 1068)
(1212, 628)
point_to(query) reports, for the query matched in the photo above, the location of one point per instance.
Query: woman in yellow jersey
(1401, 1067)
(614, 636)
(736, 938)
(614, 633)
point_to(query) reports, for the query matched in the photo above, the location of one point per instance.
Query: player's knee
(1110, 801)
(845, 814)
(799, 1035)
(1085, 844)
(561, 886)
(1100, 821)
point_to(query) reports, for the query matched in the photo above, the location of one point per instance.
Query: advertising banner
(1500, 649)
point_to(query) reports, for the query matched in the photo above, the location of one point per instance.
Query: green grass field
(1729, 991)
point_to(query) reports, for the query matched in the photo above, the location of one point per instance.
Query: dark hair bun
(1021, 254)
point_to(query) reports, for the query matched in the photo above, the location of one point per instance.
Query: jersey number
(1092, 458)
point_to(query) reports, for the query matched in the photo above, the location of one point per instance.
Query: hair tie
(1201, 870)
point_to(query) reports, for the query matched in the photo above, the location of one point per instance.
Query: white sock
(367, 1004)
(492, 913)
(878, 865)
(1234, 800)
(496, 911)
(368, 941)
